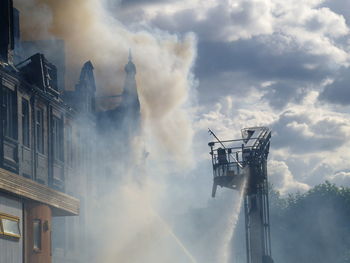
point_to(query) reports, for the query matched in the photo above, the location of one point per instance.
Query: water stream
(225, 249)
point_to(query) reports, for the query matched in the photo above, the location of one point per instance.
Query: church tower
(130, 101)
(125, 117)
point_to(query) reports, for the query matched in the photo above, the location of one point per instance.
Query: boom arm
(249, 163)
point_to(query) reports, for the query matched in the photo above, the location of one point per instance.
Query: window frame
(9, 105)
(57, 139)
(11, 218)
(39, 127)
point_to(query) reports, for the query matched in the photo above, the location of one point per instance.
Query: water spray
(225, 253)
(177, 240)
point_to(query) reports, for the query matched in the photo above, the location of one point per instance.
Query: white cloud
(282, 178)
(340, 177)
(234, 113)
(314, 27)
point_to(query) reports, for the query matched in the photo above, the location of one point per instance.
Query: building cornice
(61, 203)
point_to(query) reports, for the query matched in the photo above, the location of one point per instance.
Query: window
(39, 125)
(9, 226)
(57, 138)
(36, 234)
(8, 102)
(25, 122)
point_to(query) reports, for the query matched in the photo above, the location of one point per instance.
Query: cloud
(324, 21)
(228, 21)
(311, 139)
(285, 57)
(295, 45)
(340, 177)
(231, 114)
(283, 180)
(279, 94)
(136, 2)
(338, 91)
(234, 68)
(340, 7)
(303, 131)
(220, 21)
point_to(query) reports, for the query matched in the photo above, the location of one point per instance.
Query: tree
(313, 227)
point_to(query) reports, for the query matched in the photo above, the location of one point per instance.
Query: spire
(129, 96)
(87, 75)
(130, 68)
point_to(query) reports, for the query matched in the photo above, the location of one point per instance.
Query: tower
(124, 118)
(86, 88)
(130, 101)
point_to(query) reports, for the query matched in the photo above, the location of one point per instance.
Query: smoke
(124, 215)
(164, 62)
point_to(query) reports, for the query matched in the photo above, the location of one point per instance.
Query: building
(36, 153)
(48, 147)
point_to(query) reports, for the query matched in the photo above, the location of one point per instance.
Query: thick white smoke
(125, 222)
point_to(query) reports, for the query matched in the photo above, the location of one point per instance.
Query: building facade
(39, 154)
(49, 147)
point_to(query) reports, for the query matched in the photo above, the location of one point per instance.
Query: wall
(11, 250)
(37, 211)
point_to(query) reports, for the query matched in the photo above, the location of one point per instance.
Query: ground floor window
(9, 226)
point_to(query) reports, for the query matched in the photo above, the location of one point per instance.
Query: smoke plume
(164, 62)
(126, 221)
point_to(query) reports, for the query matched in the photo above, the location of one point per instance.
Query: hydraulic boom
(244, 163)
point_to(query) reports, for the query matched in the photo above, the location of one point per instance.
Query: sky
(281, 64)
